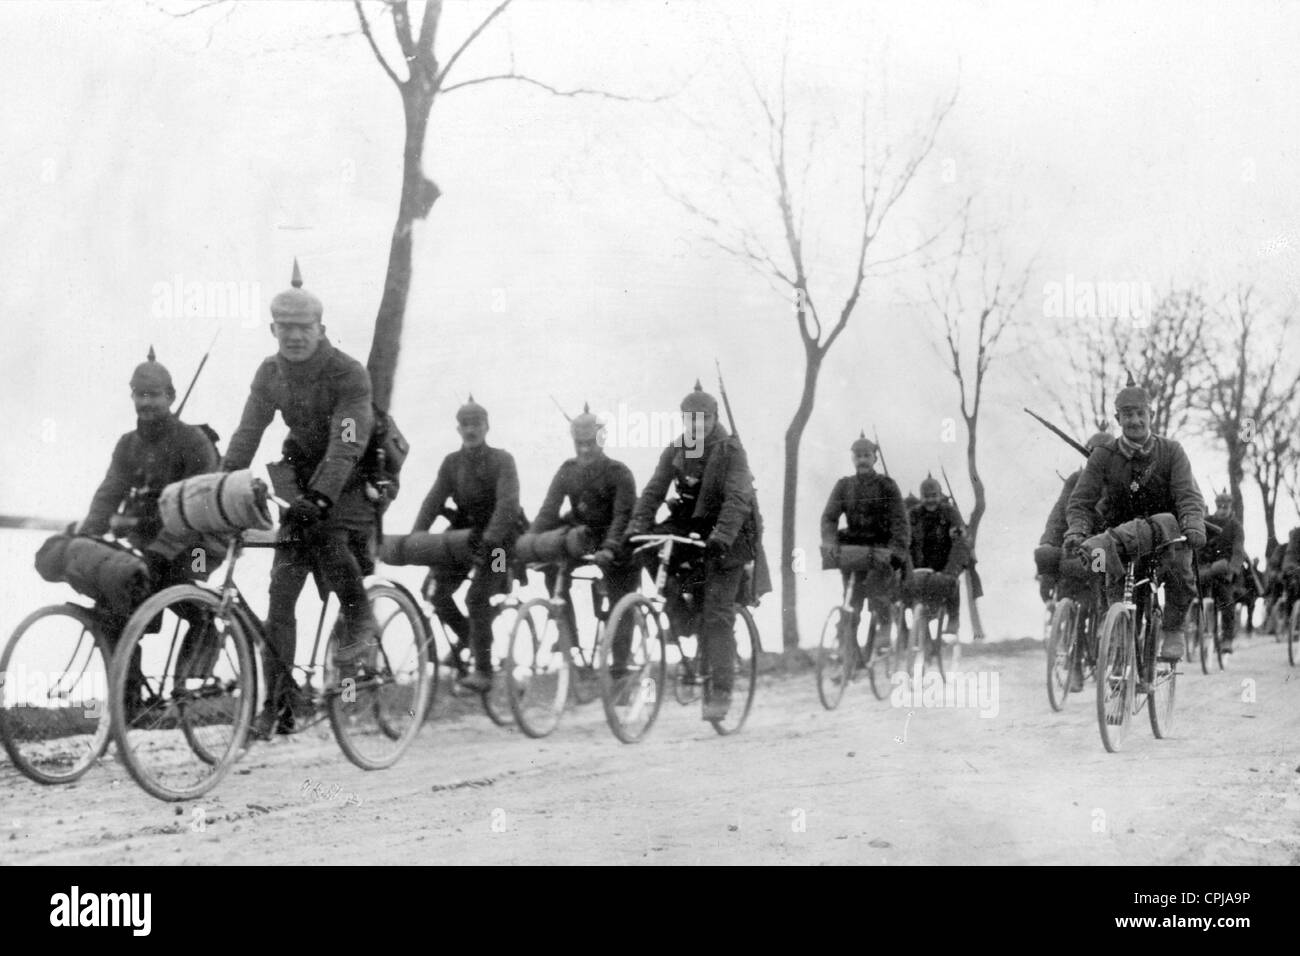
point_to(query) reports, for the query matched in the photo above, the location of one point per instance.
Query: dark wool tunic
(1228, 545)
(874, 508)
(1138, 487)
(933, 533)
(484, 485)
(601, 496)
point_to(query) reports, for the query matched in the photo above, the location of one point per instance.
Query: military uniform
(872, 506)
(484, 486)
(1141, 483)
(325, 400)
(939, 543)
(1221, 563)
(601, 496)
(715, 499)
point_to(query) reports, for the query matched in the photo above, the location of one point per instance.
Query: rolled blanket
(448, 549)
(110, 575)
(219, 503)
(861, 557)
(560, 544)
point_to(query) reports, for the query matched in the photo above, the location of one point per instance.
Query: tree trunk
(790, 488)
(418, 197)
(1269, 498)
(976, 516)
(1236, 473)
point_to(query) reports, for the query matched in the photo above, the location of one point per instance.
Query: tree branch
(374, 48)
(451, 61)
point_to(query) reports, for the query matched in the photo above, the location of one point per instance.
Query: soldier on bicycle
(161, 450)
(872, 507)
(484, 486)
(1151, 497)
(324, 397)
(601, 493)
(1222, 560)
(939, 543)
(710, 473)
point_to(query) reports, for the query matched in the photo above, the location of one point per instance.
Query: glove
(1045, 588)
(716, 548)
(307, 510)
(1072, 543)
(603, 559)
(485, 548)
(1195, 539)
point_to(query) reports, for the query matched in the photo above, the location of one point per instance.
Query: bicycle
(632, 701)
(1071, 642)
(1129, 674)
(54, 693)
(840, 656)
(546, 664)
(204, 682)
(925, 644)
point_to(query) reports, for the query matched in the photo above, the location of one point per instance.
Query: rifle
(1082, 450)
(726, 402)
(566, 414)
(880, 452)
(197, 372)
(951, 497)
(972, 575)
(761, 581)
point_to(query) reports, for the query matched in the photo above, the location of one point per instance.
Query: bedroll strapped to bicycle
(860, 557)
(111, 575)
(559, 544)
(217, 503)
(446, 549)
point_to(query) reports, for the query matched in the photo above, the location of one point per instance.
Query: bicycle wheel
(913, 656)
(744, 673)
(632, 699)
(1208, 632)
(201, 663)
(882, 641)
(1293, 634)
(54, 694)
(213, 704)
(1160, 695)
(835, 659)
(1061, 651)
(377, 714)
(496, 702)
(1116, 676)
(537, 668)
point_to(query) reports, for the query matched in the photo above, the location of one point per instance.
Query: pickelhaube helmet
(698, 401)
(1132, 394)
(586, 427)
(931, 484)
(150, 374)
(471, 411)
(862, 443)
(296, 304)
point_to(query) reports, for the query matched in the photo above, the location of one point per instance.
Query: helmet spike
(296, 281)
(152, 357)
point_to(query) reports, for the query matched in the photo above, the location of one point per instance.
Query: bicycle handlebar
(654, 540)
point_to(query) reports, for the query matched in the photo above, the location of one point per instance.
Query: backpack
(385, 453)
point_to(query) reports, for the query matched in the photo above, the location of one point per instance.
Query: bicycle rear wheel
(1061, 651)
(377, 714)
(632, 700)
(537, 668)
(744, 674)
(54, 694)
(212, 704)
(1116, 676)
(835, 659)
(882, 642)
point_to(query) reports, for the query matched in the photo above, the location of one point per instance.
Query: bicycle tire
(745, 673)
(834, 660)
(537, 669)
(1061, 651)
(1209, 637)
(1116, 676)
(190, 728)
(1161, 678)
(882, 643)
(376, 723)
(52, 745)
(632, 702)
(222, 706)
(496, 701)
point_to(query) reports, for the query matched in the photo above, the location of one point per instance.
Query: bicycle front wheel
(1061, 651)
(157, 709)
(835, 659)
(744, 673)
(537, 668)
(1116, 676)
(54, 694)
(632, 692)
(883, 638)
(376, 715)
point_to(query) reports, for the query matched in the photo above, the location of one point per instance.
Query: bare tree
(978, 301)
(883, 179)
(1165, 357)
(1274, 455)
(1083, 379)
(1244, 390)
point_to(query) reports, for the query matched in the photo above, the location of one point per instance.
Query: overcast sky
(143, 153)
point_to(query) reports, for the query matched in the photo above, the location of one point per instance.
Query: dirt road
(869, 783)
